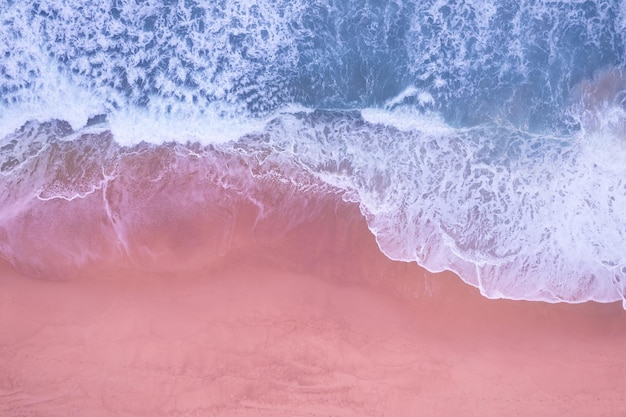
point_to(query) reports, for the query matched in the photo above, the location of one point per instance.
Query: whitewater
(485, 138)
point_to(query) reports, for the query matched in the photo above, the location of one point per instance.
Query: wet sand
(301, 327)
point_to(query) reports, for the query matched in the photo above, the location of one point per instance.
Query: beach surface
(220, 208)
(301, 327)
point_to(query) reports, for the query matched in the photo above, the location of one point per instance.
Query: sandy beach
(301, 328)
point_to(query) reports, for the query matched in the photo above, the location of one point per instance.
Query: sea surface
(483, 137)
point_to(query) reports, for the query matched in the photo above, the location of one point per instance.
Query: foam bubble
(55, 97)
(408, 92)
(406, 118)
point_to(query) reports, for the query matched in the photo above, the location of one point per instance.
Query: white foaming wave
(410, 91)
(58, 97)
(216, 124)
(517, 215)
(54, 97)
(155, 125)
(407, 118)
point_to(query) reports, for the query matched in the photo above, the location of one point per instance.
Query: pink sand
(291, 330)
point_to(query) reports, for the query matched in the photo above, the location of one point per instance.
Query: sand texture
(301, 330)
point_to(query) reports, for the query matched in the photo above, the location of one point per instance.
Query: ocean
(487, 138)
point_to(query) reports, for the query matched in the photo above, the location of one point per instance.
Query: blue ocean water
(485, 137)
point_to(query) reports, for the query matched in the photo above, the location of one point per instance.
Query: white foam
(212, 125)
(139, 125)
(424, 98)
(408, 92)
(54, 97)
(407, 118)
